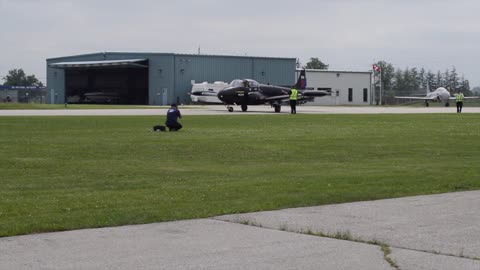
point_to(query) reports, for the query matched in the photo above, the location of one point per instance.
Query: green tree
(315, 63)
(399, 83)
(430, 80)
(464, 86)
(414, 80)
(410, 81)
(387, 72)
(476, 90)
(453, 80)
(421, 80)
(439, 82)
(405, 81)
(17, 77)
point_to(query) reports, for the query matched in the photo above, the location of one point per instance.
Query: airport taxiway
(221, 110)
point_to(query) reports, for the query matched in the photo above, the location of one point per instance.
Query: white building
(348, 87)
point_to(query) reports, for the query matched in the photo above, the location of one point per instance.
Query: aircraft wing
(314, 93)
(453, 98)
(204, 93)
(276, 98)
(419, 98)
(427, 98)
(302, 95)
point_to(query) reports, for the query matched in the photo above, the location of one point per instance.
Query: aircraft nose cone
(222, 93)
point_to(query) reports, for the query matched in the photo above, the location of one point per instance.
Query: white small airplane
(206, 93)
(439, 95)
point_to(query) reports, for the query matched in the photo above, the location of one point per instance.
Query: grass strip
(63, 173)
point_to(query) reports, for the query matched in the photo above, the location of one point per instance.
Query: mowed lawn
(62, 173)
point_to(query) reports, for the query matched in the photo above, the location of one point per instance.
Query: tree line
(17, 77)
(409, 81)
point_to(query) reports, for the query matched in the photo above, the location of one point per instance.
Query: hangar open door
(106, 82)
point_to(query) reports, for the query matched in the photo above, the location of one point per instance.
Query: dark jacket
(172, 116)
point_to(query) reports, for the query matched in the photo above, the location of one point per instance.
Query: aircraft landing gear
(277, 108)
(426, 103)
(244, 107)
(230, 109)
(447, 104)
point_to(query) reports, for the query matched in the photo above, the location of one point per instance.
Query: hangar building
(153, 78)
(348, 87)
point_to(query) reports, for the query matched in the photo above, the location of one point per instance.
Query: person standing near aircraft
(172, 118)
(459, 99)
(293, 100)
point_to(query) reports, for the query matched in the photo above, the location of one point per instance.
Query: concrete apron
(424, 232)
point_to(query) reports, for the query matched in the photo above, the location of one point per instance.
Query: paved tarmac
(221, 110)
(191, 244)
(426, 232)
(436, 232)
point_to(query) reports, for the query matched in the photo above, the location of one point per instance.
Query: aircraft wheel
(447, 104)
(278, 108)
(426, 104)
(244, 108)
(230, 109)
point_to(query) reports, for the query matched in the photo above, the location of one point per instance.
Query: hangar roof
(146, 54)
(104, 63)
(332, 71)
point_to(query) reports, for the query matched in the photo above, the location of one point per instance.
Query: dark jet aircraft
(249, 92)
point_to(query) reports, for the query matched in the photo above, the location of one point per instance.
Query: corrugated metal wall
(274, 71)
(170, 75)
(278, 71)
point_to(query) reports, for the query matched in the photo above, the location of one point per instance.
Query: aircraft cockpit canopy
(244, 83)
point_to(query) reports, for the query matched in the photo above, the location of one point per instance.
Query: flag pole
(381, 87)
(372, 85)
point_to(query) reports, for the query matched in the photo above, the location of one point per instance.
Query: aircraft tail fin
(302, 80)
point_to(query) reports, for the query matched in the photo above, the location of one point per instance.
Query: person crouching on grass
(172, 118)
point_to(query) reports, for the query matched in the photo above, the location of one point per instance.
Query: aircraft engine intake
(254, 96)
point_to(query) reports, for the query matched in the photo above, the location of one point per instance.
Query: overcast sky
(346, 34)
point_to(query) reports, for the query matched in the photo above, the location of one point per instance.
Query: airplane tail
(302, 80)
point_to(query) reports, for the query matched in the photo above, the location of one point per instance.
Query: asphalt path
(221, 110)
(191, 244)
(425, 232)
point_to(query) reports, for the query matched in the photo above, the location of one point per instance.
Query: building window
(350, 94)
(365, 95)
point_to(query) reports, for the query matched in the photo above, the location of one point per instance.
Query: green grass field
(62, 173)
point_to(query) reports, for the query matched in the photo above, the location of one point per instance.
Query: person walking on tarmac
(172, 115)
(293, 100)
(459, 99)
